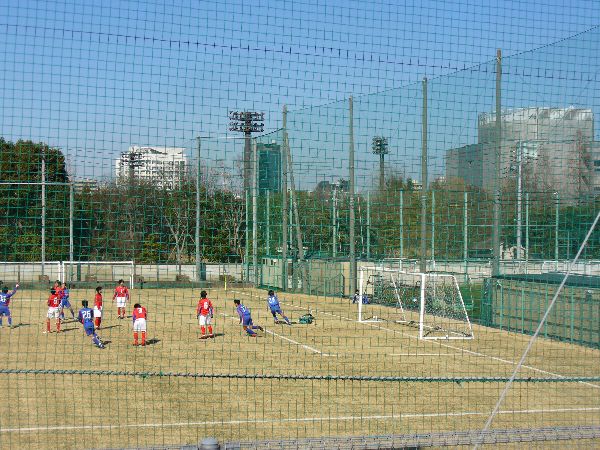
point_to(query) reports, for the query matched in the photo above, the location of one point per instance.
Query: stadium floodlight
(380, 147)
(247, 122)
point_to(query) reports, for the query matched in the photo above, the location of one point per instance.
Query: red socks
(135, 338)
(209, 330)
(97, 321)
(48, 325)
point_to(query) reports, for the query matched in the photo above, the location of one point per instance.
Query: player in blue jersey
(86, 317)
(273, 304)
(5, 297)
(64, 302)
(246, 319)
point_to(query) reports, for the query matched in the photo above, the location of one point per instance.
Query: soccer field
(335, 377)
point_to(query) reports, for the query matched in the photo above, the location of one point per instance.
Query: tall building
(553, 145)
(164, 167)
(269, 167)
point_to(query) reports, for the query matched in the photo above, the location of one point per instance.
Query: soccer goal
(98, 271)
(432, 302)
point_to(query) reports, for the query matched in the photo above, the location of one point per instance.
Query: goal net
(98, 271)
(430, 301)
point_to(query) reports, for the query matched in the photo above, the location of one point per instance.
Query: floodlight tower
(380, 147)
(247, 122)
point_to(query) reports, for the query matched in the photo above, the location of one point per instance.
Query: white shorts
(139, 325)
(97, 312)
(204, 320)
(121, 302)
(53, 312)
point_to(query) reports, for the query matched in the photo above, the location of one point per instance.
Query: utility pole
(423, 256)
(351, 198)
(43, 210)
(284, 206)
(254, 212)
(519, 196)
(497, 155)
(198, 211)
(71, 229)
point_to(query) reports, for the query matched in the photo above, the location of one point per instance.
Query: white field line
(458, 349)
(292, 420)
(422, 354)
(306, 347)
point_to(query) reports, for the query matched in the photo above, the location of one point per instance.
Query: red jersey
(98, 301)
(121, 291)
(54, 301)
(140, 313)
(60, 292)
(205, 307)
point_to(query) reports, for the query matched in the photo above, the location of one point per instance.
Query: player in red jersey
(139, 323)
(53, 310)
(205, 312)
(98, 307)
(122, 297)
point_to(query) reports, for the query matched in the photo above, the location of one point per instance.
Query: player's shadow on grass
(108, 328)
(206, 338)
(152, 341)
(66, 330)
(19, 325)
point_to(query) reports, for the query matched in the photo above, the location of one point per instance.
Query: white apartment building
(164, 167)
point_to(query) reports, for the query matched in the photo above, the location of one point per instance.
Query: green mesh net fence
(421, 181)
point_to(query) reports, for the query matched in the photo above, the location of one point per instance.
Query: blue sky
(95, 77)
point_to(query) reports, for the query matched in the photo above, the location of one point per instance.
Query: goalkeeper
(275, 308)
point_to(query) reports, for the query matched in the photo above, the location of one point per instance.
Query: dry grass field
(179, 389)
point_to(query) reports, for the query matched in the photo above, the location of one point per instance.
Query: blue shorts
(88, 327)
(276, 310)
(4, 311)
(247, 321)
(65, 303)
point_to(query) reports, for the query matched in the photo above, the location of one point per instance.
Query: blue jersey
(64, 300)
(86, 317)
(5, 298)
(242, 311)
(273, 302)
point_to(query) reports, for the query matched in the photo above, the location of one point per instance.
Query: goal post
(380, 297)
(98, 271)
(430, 301)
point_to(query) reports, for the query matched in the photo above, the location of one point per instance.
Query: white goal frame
(424, 330)
(361, 292)
(66, 267)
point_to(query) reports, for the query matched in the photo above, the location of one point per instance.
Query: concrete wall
(30, 272)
